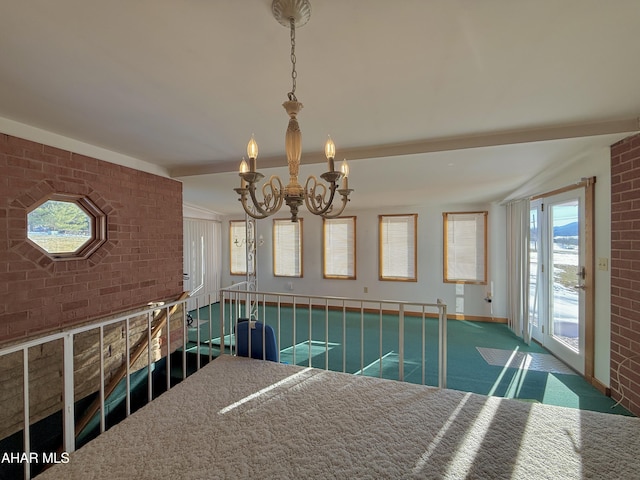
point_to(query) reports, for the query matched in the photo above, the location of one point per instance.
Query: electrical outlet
(366, 289)
(603, 263)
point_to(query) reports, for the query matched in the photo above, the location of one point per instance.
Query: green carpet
(365, 354)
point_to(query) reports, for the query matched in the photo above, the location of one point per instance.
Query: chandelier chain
(294, 73)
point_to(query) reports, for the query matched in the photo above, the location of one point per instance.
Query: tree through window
(66, 226)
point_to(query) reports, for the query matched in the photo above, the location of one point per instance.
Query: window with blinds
(237, 247)
(398, 247)
(465, 247)
(339, 252)
(287, 248)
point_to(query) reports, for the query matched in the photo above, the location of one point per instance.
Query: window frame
(97, 221)
(446, 247)
(381, 256)
(351, 249)
(277, 221)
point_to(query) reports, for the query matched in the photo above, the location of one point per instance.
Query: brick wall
(625, 272)
(140, 262)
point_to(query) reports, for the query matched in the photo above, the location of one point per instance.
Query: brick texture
(140, 262)
(625, 272)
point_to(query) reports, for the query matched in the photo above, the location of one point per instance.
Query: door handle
(581, 287)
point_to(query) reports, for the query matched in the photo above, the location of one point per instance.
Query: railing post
(149, 360)
(344, 337)
(326, 334)
(69, 414)
(25, 409)
(293, 350)
(127, 358)
(361, 338)
(168, 353)
(222, 320)
(401, 342)
(210, 329)
(310, 329)
(102, 414)
(380, 339)
(442, 344)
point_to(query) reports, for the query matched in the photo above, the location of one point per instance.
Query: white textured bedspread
(242, 418)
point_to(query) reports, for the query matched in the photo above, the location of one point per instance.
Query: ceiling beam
(492, 139)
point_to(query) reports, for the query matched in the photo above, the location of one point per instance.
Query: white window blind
(237, 247)
(287, 248)
(465, 247)
(398, 247)
(340, 248)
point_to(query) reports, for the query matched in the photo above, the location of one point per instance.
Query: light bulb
(252, 149)
(344, 168)
(330, 153)
(329, 148)
(244, 168)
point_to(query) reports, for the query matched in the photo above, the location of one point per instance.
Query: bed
(244, 418)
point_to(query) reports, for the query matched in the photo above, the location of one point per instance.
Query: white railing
(68, 397)
(233, 306)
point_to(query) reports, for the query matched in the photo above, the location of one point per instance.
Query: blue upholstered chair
(258, 329)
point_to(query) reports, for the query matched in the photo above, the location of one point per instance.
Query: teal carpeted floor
(365, 354)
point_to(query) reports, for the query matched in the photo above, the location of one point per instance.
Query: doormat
(539, 362)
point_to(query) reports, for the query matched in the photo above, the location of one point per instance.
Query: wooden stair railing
(138, 350)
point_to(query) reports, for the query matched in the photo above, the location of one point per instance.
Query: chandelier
(317, 196)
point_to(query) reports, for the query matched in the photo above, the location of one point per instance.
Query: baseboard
(407, 313)
(600, 386)
(477, 318)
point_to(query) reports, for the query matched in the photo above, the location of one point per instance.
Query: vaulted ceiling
(464, 99)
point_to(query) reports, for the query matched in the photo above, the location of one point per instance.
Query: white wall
(462, 299)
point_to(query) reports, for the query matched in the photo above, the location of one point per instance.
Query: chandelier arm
(278, 192)
(272, 200)
(312, 200)
(249, 212)
(254, 200)
(316, 203)
(345, 200)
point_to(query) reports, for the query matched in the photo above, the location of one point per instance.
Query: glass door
(557, 273)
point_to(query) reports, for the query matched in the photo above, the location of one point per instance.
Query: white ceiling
(465, 99)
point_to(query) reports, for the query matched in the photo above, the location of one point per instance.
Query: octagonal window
(66, 226)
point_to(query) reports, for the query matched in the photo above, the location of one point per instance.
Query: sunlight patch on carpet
(539, 362)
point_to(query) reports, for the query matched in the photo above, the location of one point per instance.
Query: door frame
(588, 184)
